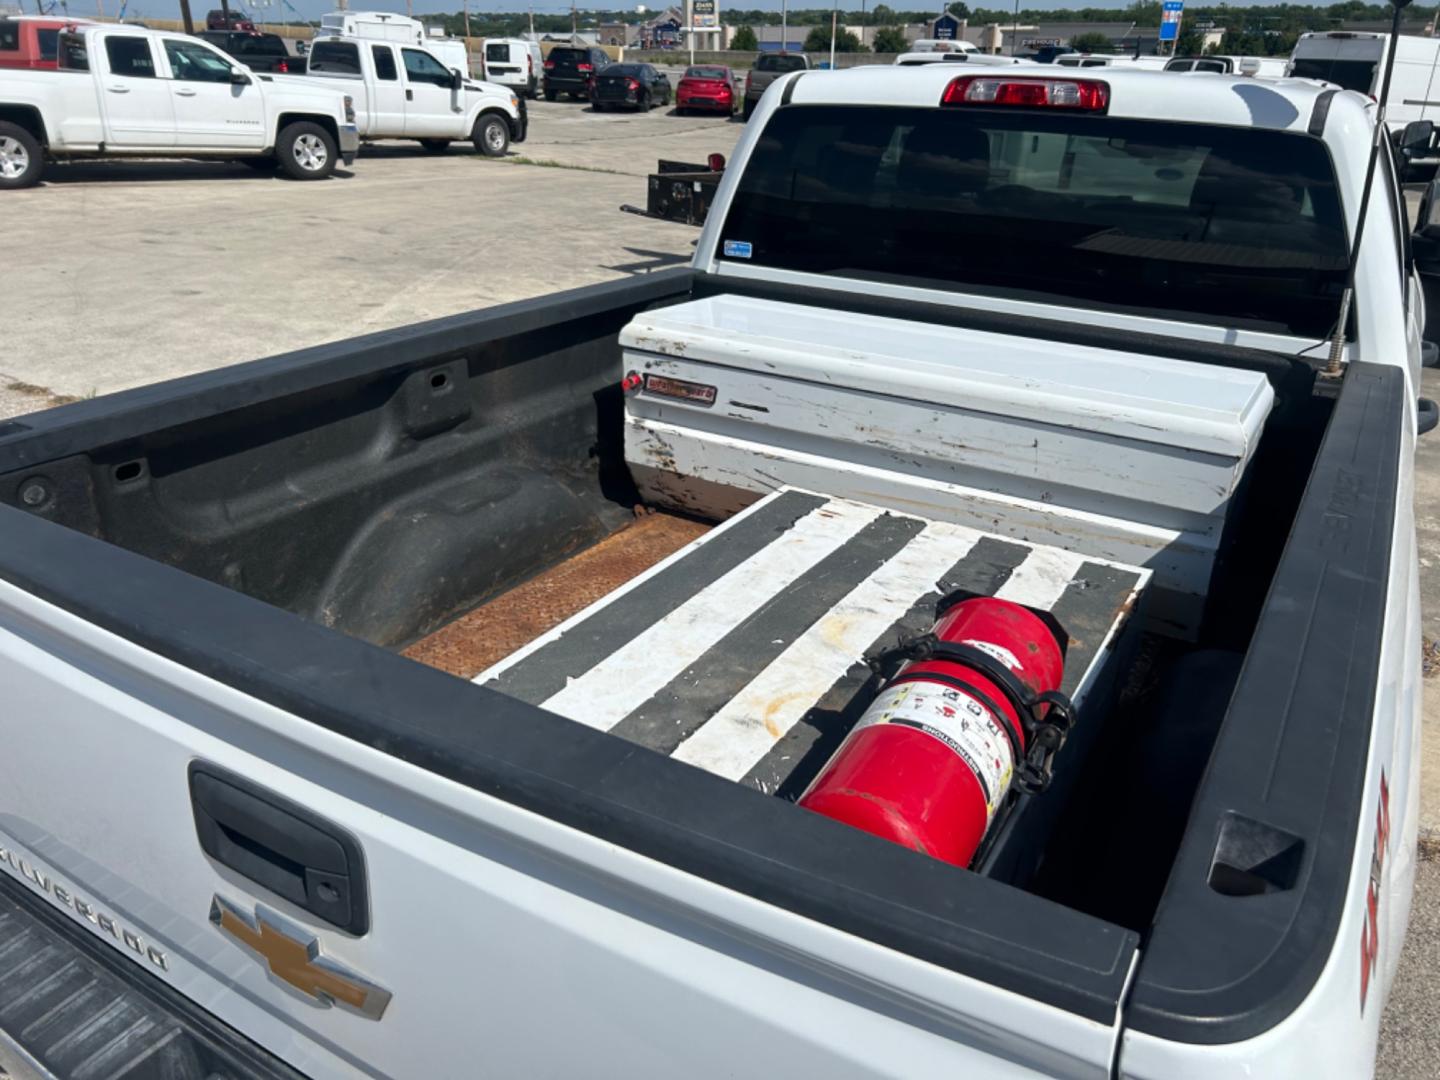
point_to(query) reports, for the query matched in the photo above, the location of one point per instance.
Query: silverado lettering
(70, 900)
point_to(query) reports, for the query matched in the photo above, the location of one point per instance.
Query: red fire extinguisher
(974, 711)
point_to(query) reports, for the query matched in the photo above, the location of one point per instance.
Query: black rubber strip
(682, 707)
(1320, 113)
(545, 672)
(1293, 750)
(789, 91)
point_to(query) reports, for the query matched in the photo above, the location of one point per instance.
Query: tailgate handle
(280, 845)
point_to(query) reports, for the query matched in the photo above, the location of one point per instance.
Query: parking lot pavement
(127, 263)
(572, 133)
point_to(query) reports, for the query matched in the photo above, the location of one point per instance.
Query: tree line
(1267, 30)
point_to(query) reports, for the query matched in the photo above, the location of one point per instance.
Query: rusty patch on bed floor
(493, 631)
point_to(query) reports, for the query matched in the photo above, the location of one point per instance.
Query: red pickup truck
(29, 41)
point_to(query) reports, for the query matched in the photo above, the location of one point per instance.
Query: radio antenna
(1337, 342)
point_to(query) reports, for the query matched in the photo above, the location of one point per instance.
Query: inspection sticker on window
(738, 249)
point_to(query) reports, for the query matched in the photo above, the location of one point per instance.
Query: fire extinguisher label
(957, 720)
(999, 652)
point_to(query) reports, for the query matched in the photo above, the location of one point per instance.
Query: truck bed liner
(741, 655)
(493, 631)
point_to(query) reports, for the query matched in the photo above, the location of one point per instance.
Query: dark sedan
(635, 86)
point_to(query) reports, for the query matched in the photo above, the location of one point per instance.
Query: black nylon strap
(1043, 737)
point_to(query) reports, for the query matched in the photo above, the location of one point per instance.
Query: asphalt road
(144, 271)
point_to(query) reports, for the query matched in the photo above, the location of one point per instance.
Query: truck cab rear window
(130, 57)
(1348, 74)
(1174, 220)
(9, 36)
(780, 64)
(260, 45)
(336, 57)
(385, 69)
(73, 54)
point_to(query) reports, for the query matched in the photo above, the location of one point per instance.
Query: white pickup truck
(355, 723)
(405, 91)
(128, 91)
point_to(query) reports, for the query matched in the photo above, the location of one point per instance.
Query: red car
(706, 86)
(237, 20)
(30, 41)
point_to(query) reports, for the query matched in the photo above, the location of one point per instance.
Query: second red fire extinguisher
(975, 709)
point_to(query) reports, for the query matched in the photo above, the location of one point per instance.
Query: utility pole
(574, 26)
(225, 7)
(532, 22)
(784, 24)
(184, 15)
(834, 17)
(467, 27)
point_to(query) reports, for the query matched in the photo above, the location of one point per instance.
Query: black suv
(570, 69)
(258, 52)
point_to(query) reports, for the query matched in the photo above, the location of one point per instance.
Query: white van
(378, 25)
(401, 29)
(514, 62)
(1356, 61)
(452, 52)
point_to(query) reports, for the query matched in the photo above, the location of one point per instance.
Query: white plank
(603, 695)
(742, 732)
(1041, 579)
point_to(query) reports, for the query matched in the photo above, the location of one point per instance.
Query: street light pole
(784, 24)
(834, 17)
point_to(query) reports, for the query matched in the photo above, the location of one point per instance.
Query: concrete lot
(127, 260)
(144, 271)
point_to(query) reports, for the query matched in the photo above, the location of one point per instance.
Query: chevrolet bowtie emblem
(293, 956)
